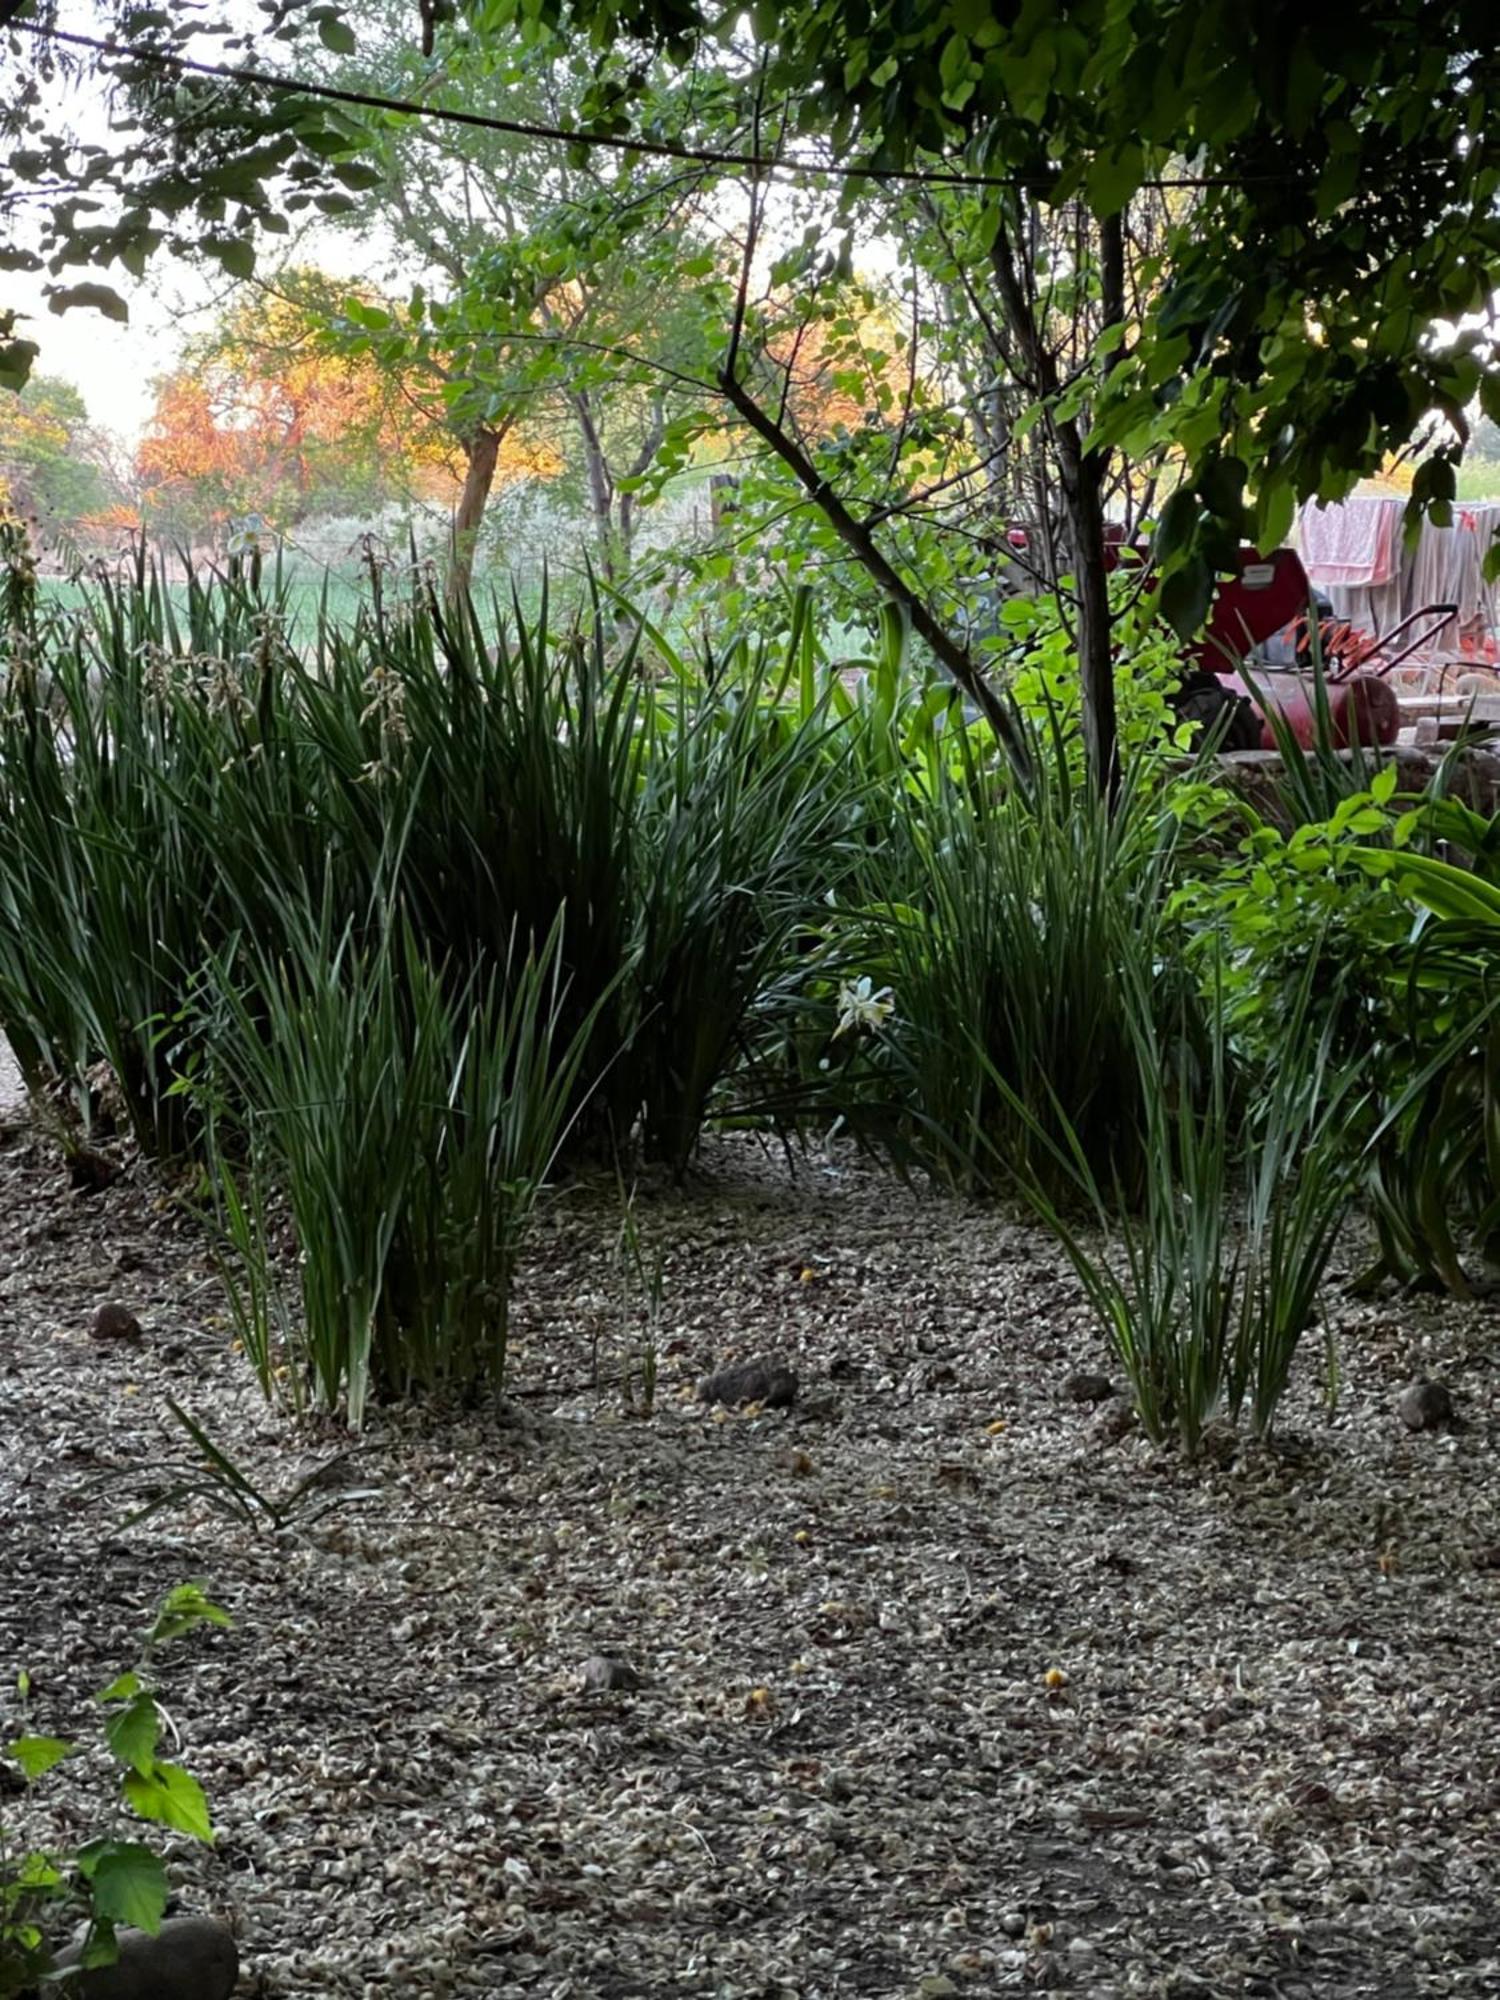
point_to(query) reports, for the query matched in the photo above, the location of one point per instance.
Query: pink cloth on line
(1351, 545)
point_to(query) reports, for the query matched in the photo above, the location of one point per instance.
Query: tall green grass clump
(749, 819)
(181, 762)
(145, 799)
(408, 1124)
(998, 924)
(1206, 1278)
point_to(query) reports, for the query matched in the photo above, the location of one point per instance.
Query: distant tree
(1331, 169)
(266, 416)
(53, 468)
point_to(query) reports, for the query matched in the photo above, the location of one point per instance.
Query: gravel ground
(941, 1683)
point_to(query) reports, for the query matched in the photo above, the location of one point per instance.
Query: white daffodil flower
(860, 1006)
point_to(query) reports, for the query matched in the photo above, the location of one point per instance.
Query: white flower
(861, 1007)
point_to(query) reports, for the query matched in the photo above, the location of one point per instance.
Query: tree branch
(956, 660)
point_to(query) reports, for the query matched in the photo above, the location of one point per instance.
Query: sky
(111, 365)
(115, 366)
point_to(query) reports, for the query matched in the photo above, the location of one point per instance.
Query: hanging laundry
(1353, 545)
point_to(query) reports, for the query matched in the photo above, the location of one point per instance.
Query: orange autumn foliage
(268, 417)
(284, 434)
(841, 374)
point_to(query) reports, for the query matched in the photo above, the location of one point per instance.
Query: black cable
(653, 148)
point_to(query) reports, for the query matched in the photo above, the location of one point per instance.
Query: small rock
(1088, 1388)
(1115, 1421)
(1488, 1558)
(115, 1322)
(606, 1673)
(1425, 1406)
(190, 1958)
(90, 1172)
(958, 1477)
(764, 1380)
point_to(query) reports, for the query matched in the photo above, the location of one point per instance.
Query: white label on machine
(1258, 576)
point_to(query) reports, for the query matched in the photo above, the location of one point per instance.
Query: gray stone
(115, 1322)
(1088, 1388)
(1425, 1406)
(606, 1673)
(1115, 1421)
(764, 1380)
(190, 1958)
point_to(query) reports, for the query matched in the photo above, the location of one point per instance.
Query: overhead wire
(171, 61)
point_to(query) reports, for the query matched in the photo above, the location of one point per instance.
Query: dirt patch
(948, 1683)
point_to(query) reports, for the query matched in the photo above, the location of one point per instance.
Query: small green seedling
(108, 1881)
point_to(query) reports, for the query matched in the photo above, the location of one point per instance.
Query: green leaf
(36, 1871)
(36, 1755)
(171, 1797)
(235, 253)
(133, 1734)
(103, 298)
(122, 1688)
(129, 1882)
(1179, 519)
(335, 33)
(100, 1947)
(183, 1608)
(1222, 484)
(1185, 597)
(1276, 509)
(1113, 178)
(1447, 891)
(16, 359)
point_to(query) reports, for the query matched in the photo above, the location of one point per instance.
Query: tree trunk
(639, 466)
(1081, 478)
(482, 447)
(601, 484)
(1083, 502)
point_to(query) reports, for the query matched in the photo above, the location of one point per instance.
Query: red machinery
(1259, 646)
(1258, 653)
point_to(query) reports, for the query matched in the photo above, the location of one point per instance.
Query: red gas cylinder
(1362, 709)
